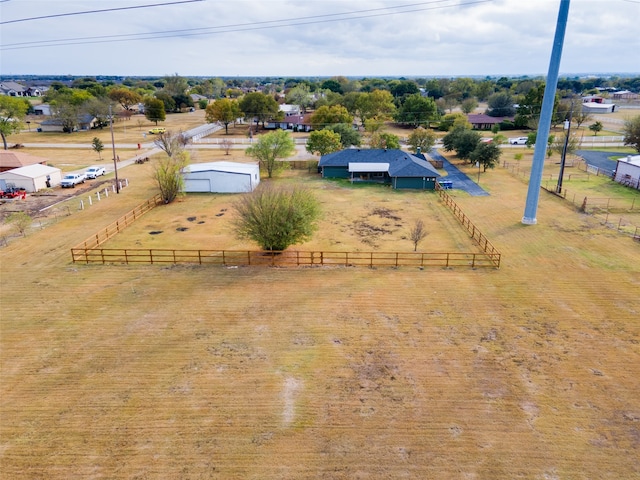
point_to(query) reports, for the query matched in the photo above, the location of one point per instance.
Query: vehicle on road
(518, 141)
(156, 130)
(72, 179)
(95, 172)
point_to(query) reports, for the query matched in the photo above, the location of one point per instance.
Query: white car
(72, 179)
(518, 141)
(95, 172)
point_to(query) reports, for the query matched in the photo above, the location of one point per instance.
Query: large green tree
(416, 110)
(462, 140)
(299, 95)
(270, 149)
(259, 107)
(223, 110)
(276, 217)
(13, 111)
(632, 132)
(326, 115)
(486, 154)
(377, 104)
(500, 105)
(154, 110)
(423, 139)
(349, 136)
(125, 97)
(322, 142)
(384, 140)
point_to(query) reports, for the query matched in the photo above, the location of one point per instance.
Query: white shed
(221, 177)
(32, 177)
(628, 171)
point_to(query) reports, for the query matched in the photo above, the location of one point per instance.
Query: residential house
(85, 122)
(399, 169)
(13, 89)
(482, 121)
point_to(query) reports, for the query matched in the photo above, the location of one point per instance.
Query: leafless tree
(417, 234)
(226, 145)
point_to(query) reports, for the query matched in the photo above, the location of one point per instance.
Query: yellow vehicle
(153, 131)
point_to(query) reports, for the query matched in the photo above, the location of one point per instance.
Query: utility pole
(564, 151)
(113, 146)
(544, 125)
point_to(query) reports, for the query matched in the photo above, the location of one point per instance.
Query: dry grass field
(147, 372)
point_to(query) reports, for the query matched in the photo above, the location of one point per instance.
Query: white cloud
(430, 38)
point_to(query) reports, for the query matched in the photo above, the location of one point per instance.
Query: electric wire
(243, 27)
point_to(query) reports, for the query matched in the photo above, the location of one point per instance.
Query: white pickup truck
(72, 179)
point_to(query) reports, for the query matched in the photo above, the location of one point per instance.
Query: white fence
(595, 139)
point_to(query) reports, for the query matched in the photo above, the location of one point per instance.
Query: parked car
(72, 179)
(95, 172)
(518, 141)
(153, 131)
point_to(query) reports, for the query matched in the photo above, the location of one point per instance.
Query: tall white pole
(544, 125)
(113, 146)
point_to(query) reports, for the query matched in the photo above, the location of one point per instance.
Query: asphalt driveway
(601, 160)
(461, 181)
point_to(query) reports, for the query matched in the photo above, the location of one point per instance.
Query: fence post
(90, 201)
(81, 204)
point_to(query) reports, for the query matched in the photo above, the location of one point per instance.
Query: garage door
(197, 185)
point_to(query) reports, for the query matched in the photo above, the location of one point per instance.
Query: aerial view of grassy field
(530, 371)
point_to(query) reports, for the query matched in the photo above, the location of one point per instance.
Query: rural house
(85, 122)
(482, 121)
(221, 177)
(389, 166)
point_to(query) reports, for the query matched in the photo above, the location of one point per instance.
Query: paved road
(601, 160)
(461, 181)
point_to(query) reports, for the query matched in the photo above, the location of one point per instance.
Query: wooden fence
(101, 236)
(89, 251)
(476, 234)
(282, 259)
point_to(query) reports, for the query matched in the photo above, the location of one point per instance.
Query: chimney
(418, 151)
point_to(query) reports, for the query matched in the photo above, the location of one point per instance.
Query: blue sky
(315, 37)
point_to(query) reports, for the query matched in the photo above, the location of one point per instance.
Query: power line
(243, 27)
(28, 19)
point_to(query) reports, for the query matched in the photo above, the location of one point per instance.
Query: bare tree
(171, 143)
(417, 234)
(20, 222)
(226, 145)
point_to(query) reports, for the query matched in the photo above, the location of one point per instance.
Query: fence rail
(282, 259)
(476, 234)
(89, 251)
(101, 236)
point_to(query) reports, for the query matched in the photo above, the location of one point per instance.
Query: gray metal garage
(221, 177)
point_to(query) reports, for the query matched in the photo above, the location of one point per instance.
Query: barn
(628, 171)
(32, 177)
(388, 166)
(221, 177)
